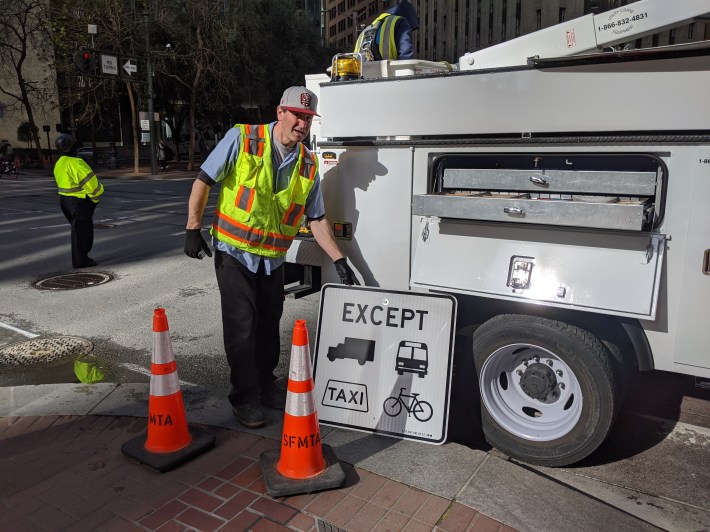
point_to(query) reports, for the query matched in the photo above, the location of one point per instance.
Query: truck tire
(548, 392)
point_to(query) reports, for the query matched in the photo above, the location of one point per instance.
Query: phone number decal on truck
(622, 21)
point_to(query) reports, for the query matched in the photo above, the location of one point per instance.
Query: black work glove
(195, 245)
(346, 274)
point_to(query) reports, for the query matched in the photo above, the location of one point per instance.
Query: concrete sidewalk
(63, 469)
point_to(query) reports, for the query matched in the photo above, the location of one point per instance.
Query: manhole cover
(72, 281)
(44, 352)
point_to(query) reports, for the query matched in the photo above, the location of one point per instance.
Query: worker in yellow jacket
(79, 190)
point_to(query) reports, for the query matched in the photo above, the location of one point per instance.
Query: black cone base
(277, 485)
(162, 462)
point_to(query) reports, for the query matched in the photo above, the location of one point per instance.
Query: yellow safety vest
(252, 217)
(76, 178)
(381, 31)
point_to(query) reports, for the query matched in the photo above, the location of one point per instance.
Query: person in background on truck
(389, 36)
(79, 190)
(269, 182)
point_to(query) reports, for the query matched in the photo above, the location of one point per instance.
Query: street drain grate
(72, 281)
(44, 352)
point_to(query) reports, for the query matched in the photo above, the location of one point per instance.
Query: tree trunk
(134, 114)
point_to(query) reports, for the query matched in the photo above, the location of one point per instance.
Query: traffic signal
(85, 61)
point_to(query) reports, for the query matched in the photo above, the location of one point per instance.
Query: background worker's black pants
(79, 213)
(252, 304)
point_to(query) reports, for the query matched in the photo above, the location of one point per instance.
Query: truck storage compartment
(611, 272)
(620, 192)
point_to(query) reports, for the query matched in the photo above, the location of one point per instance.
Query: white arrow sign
(130, 66)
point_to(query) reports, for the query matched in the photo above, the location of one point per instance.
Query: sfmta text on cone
(304, 463)
(168, 442)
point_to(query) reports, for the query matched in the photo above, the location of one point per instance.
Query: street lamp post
(151, 111)
(47, 129)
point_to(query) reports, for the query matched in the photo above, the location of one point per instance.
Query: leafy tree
(24, 39)
(93, 100)
(27, 132)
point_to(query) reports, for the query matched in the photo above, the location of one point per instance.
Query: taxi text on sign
(383, 361)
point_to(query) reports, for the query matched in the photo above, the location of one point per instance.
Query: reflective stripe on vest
(76, 178)
(387, 47)
(254, 140)
(250, 235)
(80, 186)
(252, 217)
(245, 198)
(381, 40)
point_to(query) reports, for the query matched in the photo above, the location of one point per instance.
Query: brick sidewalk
(63, 472)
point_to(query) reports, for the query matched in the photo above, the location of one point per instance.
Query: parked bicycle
(8, 168)
(421, 409)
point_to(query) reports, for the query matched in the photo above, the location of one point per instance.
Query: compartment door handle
(538, 180)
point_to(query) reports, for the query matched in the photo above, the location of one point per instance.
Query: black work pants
(252, 305)
(79, 212)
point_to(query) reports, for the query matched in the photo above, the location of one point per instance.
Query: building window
(691, 27)
(517, 18)
(671, 36)
(562, 14)
(654, 40)
(333, 30)
(490, 23)
(341, 6)
(538, 18)
(504, 16)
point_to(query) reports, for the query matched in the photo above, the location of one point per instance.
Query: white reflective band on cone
(300, 368)
(162, 348)
(162, 385)
(300, 404)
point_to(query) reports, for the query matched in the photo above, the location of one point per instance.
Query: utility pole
(151, 111)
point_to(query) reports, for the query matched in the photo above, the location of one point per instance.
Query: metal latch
(343, 230)
(520, 272)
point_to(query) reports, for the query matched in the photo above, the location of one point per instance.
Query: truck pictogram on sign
(355, 348)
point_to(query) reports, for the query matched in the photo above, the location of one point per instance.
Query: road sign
(109, 65)
(383, 361)
(130, 67)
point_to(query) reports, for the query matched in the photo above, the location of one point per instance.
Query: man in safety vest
(269, 182)
(389, 36)
(79, 190)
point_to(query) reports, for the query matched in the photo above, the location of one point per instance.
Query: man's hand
(347, 276)
(195, 245)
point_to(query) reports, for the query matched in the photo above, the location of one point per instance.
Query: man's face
(293, 126)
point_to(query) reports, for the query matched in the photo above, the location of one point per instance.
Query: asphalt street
(655, 465)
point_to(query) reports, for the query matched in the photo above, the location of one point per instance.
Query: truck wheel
(548, 393)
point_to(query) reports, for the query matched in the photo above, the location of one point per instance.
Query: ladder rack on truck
(563, 200)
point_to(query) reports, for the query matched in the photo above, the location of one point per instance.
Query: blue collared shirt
(221, 163)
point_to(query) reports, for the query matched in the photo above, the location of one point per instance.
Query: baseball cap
(300, 100)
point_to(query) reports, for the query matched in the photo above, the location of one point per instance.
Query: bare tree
(24, 39)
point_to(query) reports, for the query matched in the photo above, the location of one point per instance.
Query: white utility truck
(558, 191)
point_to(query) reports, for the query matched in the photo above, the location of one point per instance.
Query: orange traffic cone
(304, 464)
(169, 442)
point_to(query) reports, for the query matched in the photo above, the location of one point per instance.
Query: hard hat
(64, 143)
